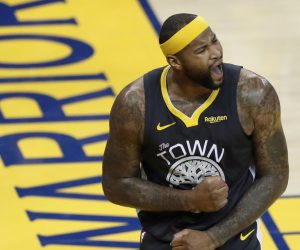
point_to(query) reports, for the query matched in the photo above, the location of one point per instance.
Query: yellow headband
(184, 36)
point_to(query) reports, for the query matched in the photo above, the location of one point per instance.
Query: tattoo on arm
(258, 101)
(121, 165)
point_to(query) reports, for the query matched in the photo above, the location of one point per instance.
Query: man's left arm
(271, 160)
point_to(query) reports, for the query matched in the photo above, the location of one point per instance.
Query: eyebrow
(201, 46)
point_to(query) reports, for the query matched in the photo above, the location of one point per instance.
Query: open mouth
(217, 72)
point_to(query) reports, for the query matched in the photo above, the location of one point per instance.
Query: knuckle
(218, 178)
(224, 194)
(184, 239)
(210, 187)
(213, 198)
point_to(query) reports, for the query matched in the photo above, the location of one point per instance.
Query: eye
(215, 39)
(200, 50)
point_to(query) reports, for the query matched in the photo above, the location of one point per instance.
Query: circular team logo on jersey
(192, 170)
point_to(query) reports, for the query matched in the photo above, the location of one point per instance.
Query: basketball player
(196, 146)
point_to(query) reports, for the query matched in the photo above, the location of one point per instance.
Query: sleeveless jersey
(179, 151)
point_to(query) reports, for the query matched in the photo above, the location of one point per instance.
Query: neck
(182, 86)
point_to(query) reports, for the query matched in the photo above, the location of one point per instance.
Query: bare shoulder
(127, 113)
(257, 101)
(130, 99)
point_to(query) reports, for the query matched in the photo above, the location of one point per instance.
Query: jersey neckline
(189, 121)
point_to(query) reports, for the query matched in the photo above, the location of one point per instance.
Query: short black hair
(173, 24)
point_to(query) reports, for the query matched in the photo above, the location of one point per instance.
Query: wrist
(217, 241)
(189, 204)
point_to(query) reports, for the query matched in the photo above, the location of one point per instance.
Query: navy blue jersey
(179, 151)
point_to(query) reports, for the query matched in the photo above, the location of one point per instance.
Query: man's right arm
(121, 165)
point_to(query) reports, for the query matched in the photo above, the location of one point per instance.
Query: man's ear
(174, 62)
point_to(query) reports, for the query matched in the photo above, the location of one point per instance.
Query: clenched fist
(192, 240)
(210, 195)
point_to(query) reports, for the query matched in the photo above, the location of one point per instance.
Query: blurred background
(263, 37)
(62, 62)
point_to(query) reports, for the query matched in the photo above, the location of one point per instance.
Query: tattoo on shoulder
(128, 110)
(259, 100)
(255, 97)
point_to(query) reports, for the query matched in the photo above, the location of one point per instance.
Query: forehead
(203, 38)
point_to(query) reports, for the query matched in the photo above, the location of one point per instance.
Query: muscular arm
(121, 166)
(259, 112)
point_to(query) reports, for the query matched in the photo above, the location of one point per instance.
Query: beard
(204, 80)
(208, 83)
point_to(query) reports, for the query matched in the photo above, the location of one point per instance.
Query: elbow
(285, 180)
(110, 191)
(107, 190)
(279, 181)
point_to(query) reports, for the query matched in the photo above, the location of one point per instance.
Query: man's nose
(215, 51)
